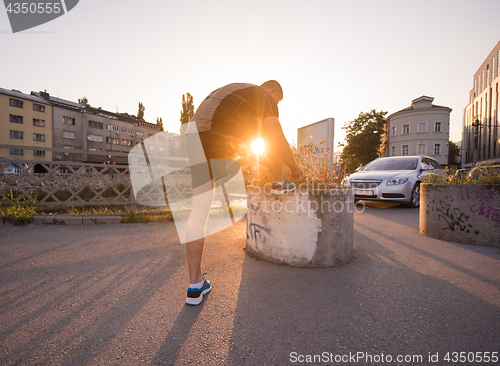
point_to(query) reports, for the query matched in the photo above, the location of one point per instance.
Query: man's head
(273, 88)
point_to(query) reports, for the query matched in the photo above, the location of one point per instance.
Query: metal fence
(69, 183)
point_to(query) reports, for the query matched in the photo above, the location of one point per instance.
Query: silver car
(393, 179)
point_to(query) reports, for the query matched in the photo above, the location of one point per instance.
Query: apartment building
(84, 133)
(420, 129)
(480, 140)
(25, 124)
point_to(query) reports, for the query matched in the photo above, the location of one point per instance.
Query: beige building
(480, 140)
(421, 129)
(89, 134)
(25, 124)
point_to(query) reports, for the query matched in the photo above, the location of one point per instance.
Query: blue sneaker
(280, 188)
(195, 295)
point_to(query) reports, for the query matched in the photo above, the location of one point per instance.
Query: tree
(363, 139)
(83, 100)
(187, 111)
(140, 112)
(159, 122)
(453, 154)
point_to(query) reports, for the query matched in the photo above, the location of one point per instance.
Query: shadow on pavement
(178, 334)
(371, 305)
(65, 306)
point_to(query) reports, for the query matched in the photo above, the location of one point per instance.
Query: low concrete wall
(313, 228)
(468, 214)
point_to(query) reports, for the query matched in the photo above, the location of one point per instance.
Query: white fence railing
(68, 183)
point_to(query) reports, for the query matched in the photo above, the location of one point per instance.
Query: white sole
(199, 299)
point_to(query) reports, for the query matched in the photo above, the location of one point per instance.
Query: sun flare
(258, 146)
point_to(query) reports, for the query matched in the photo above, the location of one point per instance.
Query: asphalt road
(114, 295)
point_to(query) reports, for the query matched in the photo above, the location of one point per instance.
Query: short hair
(273, 84)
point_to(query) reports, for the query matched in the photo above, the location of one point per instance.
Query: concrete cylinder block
(305, 228)
(462, 213)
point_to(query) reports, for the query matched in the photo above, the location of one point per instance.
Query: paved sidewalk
(114, 295)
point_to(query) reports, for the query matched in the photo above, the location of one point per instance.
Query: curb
(74, 220)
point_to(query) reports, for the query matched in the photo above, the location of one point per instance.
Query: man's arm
(277, 146)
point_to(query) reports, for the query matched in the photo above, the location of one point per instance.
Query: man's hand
(296, 172)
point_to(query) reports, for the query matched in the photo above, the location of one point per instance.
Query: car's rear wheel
(415, 196)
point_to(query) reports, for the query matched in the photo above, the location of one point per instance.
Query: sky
(333, 58)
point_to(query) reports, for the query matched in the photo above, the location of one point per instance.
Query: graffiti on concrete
(483, 209)
(455, 218)
(254, 230)
(487, 211)
(483, 194)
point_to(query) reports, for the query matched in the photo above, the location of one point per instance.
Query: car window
(426, 161)
(392, 164)
(435, 164)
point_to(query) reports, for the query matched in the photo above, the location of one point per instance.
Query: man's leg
(203, 197)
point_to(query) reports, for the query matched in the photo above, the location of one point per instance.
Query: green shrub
(19, 213)
(483, 173)
(317, 165)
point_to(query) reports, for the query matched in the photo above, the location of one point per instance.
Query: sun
(258, 146)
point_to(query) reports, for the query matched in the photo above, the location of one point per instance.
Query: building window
(447, 127)
(16, 152)
(38, 137)
(393, 150)
(38, 122)
(161, 149)
(95, 138)
(15, 119)
(446, 149)
(16, 103)
(151, 147)
(492, 69)
(98, 125)
(393, 130)
(113, 128)
(39, 108)
(113, 141)
(405, 129)
(437, 148)
(38, 152)
(16, 134)
(68, 147)
(405, 149)
(126, 142)
(68, 135)
(422, 127)
(68, 121)
(127, 131)
(139, 134)
(437, 126)
(421, 148)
